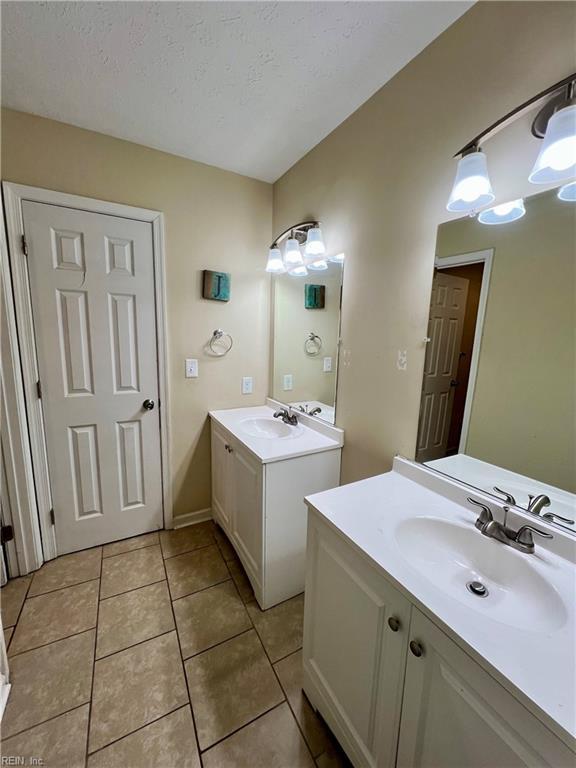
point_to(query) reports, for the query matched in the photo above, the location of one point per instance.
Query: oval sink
(268, 428)
(452, 556)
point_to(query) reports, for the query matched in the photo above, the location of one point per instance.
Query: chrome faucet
(537, 503)
(287, 416)
(315, 411)
(522, 539)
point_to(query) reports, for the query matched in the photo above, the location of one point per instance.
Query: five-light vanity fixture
(555, 124)
(304, 250)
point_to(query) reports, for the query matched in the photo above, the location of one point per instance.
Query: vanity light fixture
(275, 263)
(471, 189)
(568, 192)
(503, 213)
(555, 123)
(314, 242)
(292, 255)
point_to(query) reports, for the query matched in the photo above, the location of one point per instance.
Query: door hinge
(6, 534)
(24, 246)
(39, 389)
(52, 518)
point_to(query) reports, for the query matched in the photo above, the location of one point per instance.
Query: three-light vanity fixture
(304, 250)
(555, 124)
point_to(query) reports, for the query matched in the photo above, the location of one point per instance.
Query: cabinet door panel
(247, 519)
(455, 715)
(350, 653)
(220, 478)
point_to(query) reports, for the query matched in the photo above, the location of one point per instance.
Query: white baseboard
(180, 521)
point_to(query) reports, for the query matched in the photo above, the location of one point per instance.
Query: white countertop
(539, 665)
(306, 437)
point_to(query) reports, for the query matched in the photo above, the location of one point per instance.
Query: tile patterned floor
(152, 653)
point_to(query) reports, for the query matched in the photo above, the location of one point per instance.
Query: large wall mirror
(306, 330)
(498, 398)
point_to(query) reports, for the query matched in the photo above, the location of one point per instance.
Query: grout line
(282, 658)
(182, 664)
(140, 728)
(189, 551)
(94, 662)
(134, 549)
(216, 645)
(134, 645)
(21, 605)
(42, 722)
(198, 591)
(245, 725)
(57, 589)
(52, 642)
(133, 589)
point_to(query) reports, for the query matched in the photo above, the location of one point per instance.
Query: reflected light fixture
(503, 213)
(471, 189)
(314, 242)
(275, 264)
(568, 192)
(300, 271)
(318, 266)
(338, 258)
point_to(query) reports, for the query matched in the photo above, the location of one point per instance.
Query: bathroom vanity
(262, 469)
(408, 660)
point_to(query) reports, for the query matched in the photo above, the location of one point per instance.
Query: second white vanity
(408, 664)
(262, 469)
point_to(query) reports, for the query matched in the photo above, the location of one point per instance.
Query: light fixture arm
(297, 231)
(568, 83)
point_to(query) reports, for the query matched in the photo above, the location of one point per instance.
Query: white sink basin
(268, 428)
(451, 556)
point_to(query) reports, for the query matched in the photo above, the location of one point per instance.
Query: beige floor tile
(7, 636)
(210, 617)
(227, 550)
(241, 580)
(333, 758)
(134, 687)
(280, 628)
(66, 571)
(195, 570)
(59, 743)
(11, 599)
(131, 570)
(272, 740)
(230, 685)
(49, 681)
(55, 615)
(128, 545)
(186, 539)
(166, 743)
(135, 616)
(289, 672)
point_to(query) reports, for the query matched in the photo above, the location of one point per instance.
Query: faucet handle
(552, 517)
(524, 535)
(485, 516)
(508, 498)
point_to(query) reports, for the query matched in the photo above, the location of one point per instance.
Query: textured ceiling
(246, 86)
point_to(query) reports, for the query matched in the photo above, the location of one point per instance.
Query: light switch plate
(402, 360)
(247, 385)
(327, 364)
(287, 382)
(191, 368)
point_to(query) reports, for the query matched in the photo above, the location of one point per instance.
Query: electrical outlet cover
(287, 383)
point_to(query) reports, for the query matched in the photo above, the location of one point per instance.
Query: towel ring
(221, 343)
(313, 344)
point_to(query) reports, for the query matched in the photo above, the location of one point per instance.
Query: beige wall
(292, 326)
(379, 184)
(215, 220)
(523, 413)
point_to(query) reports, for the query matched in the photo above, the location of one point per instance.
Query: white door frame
(14, 196)
(461, 260)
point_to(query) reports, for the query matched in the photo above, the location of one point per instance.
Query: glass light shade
(300, 271)
(472, 188)
(318, 266)
(292, 255)
(315, 242)
(568, 192)
(557, 158)
(504, 213)
(275, 263)
(338, 258)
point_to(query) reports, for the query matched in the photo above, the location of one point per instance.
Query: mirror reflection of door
(451, 329)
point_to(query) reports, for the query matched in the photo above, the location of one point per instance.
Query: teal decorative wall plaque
(216, 285)
(314, 296)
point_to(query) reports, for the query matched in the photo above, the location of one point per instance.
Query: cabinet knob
(416, 648)
(394, 623)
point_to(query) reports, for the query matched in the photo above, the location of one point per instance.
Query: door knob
(394, 623)
(416, 648)
(148, 404)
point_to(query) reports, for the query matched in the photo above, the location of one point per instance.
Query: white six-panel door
(92, 289)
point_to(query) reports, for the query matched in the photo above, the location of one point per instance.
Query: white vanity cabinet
(390, 703)
(260, 505)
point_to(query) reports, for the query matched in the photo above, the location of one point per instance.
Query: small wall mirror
(497, 408)
(305, 339)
